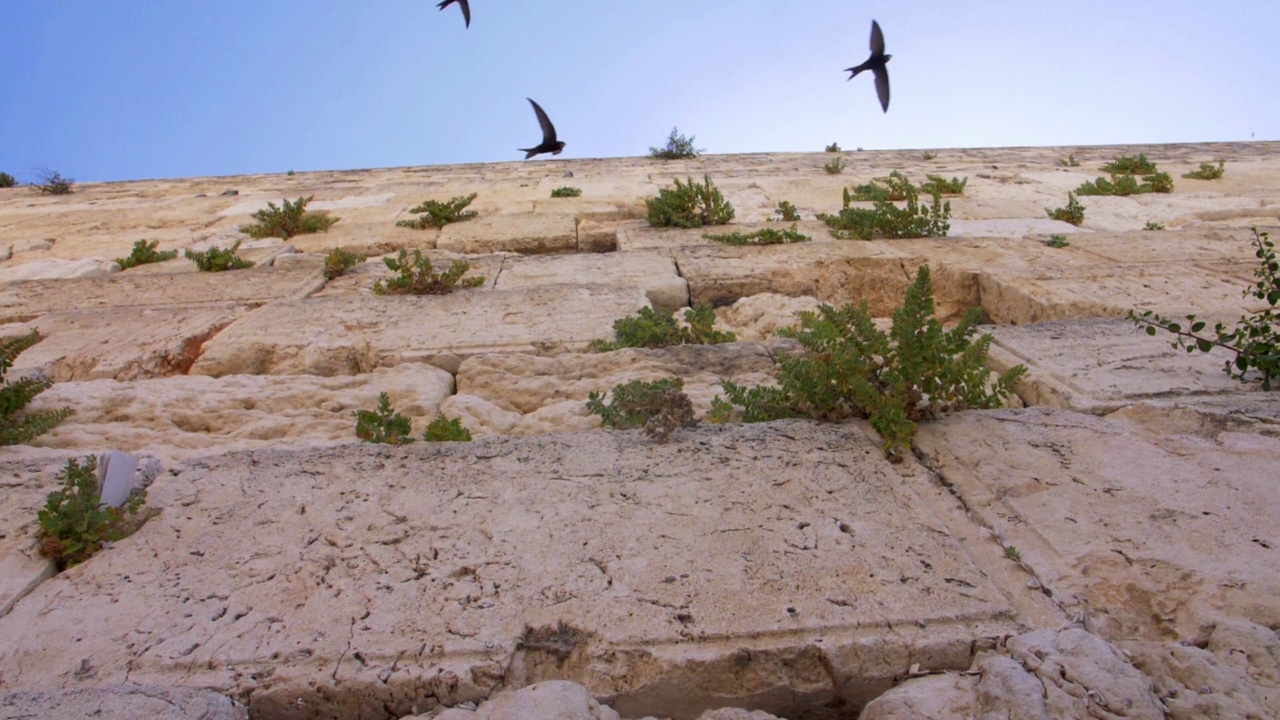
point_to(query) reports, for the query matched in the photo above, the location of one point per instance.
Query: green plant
(689, 205)
(437, 214)
(1073, 213)
(291, 218)
(895, 380)
(678, 146)
(1068, 161)
(338, 261)
(1254, 341)
(766, 236)
(894, 188)
(145, 253)
(1129, 165)
(659, 406)
(1057, 241)
(927, 156)
(833, 147)
(658, 328)
(443, 429)
(1121, 185)
(786, 212)
(835, 167)
(383, 425)
(562, 192)
(73, 524)
(417, 277)
(888, 220)
(938, 185)
(1011, 553)
(17, 428)
(1207, 171)
(7, 180)
(1153, 225)
(1161, 182)
(215, 259)
(51, 182)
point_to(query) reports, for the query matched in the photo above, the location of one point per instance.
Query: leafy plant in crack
(74, 524)
(1153, 226)
(435, 214)
(1073, 213)
(216, 259)
(7, 180)
(895, 187)
(1068, 161)
(18, 427)
(913, 373)
(383, 425)
(766, 236)
(145, 253)
(1207, 171)
(785, 212)
(563, 192)
(444, 429)
(417, 277)
(658, 328)
(1011, 553)
(338, 261)
(938, 185)
(291, 218)
(1130, 165)
(659, 406)
(890, 221)
(1057, 241)
(51, 182)
(834, 167)
(1254, 341)
(689, 205)
(678, 147)
(833, 147)
(927, 156)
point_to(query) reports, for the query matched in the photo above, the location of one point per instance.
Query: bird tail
(529, 152)
(444, 4)
(853, 72)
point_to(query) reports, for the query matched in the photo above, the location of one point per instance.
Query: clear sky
(130, 89)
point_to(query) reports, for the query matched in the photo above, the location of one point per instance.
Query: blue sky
(131, 89)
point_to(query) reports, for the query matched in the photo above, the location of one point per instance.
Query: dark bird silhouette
(466, 8)
(876, 64)
(549, 142)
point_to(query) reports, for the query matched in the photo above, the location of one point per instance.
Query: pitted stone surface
(350, 335)
(528, 234)
(680, 571)
(123, 702)
(653, 272)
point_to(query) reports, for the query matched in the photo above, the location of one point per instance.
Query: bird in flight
(876, 64)
(466, 8)
(549, 142)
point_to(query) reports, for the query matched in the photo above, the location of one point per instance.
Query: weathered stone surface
(528, 383)
(180, 417)
(598, 236)
(653, 272)
(360, 279)
(352, 335)
(730, 570)
(1234, 672)
(123, 702)
(21, 569)
(121, 343)
(550, 700)
(530, 234)
(54, 269)
(949, 696)
(259, 284)
(760, 317)
(1099, 365)
(1145, 538)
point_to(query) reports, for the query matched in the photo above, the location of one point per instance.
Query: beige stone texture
(351, 335)
(784, 568)
(655, 273)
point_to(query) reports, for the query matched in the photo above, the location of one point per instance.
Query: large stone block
(529, 234)
(655, 273)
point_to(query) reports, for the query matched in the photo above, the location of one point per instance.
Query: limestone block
(597, 236)
(653, 272)
(54, 269)
(360, 279)
(639, 570)
(185, 416)
(759, 317)
(480, 416)
(354, 334)
(292, 279)
(529, 234)
(1145, 536)
(121, 343)
(124, 702)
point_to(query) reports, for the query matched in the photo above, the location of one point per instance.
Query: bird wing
(466, 13)
(877, 38)
(882, 86)
(548, 130)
